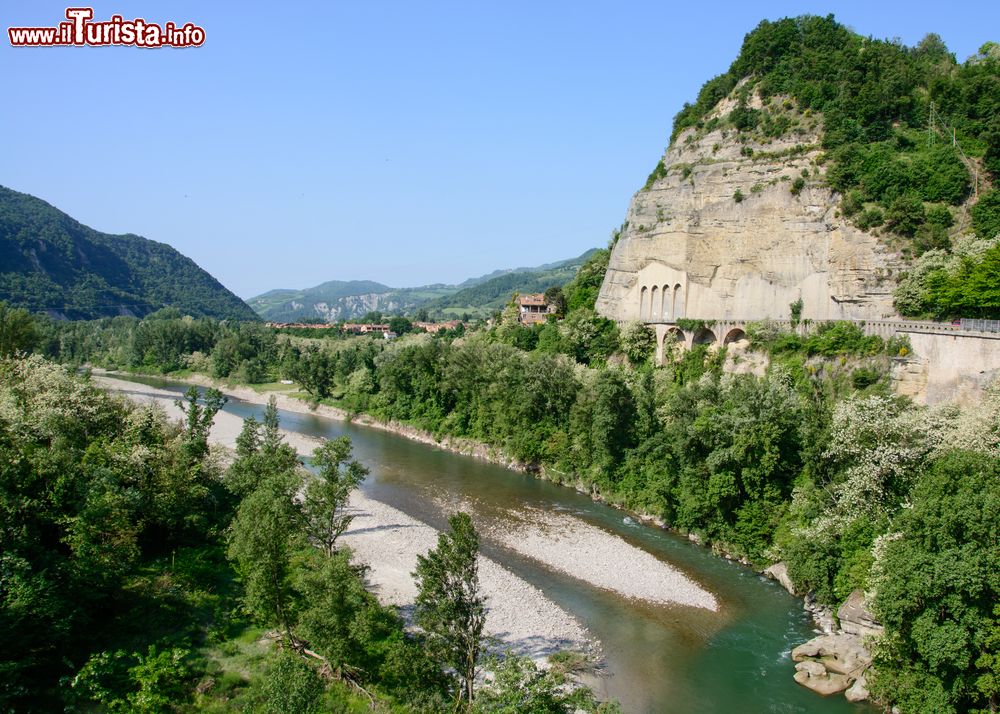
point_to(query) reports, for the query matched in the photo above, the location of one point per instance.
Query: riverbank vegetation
(140, 573)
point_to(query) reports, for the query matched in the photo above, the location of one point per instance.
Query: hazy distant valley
(477, 297)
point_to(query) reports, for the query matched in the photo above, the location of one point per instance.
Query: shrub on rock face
(852, 204)
(872, 218)
(905, 215)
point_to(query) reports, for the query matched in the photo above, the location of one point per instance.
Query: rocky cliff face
(721, 234)
(353, 306)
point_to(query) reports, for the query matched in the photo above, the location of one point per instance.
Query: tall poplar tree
(450, 606)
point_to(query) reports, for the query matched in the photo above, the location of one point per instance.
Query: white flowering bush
(879, 445)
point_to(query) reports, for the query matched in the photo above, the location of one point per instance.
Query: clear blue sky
(404, 142)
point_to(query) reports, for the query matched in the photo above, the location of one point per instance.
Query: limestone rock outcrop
(858, 692)
(839, 653)
(779, 572)
(837, 661)
(815, 676)
(690, 249)
(832, 663)
(855, 617)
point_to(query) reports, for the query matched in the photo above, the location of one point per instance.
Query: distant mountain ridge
(52, 263)
(343, 300)
(557, 265)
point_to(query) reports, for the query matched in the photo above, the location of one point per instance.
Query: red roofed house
(533, 308)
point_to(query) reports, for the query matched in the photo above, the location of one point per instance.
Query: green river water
(655, 658)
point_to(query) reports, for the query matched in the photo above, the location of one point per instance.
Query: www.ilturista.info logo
(80, 30)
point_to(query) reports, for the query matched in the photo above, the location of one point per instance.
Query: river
(655, 659)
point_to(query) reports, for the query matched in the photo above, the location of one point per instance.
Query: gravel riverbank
(559, 541)
(603, 559)
(520, 616)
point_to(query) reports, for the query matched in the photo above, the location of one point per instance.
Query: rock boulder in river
(832, 663)
(858, 692)
(779, 572)
(814, 675)
(840, 653)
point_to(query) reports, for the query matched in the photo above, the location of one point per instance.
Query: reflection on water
(656, 658)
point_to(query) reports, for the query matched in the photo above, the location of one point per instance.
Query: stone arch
(704, 336)
(665, 306)
(654, 304)
(679, 300)
(668, 339)
(643, 302)
(734, 335)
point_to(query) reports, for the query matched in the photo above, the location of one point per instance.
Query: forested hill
(911, 136)
(902, 143)
(51, 263)
(482, 296)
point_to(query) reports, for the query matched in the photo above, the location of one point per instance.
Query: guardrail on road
(980, 325)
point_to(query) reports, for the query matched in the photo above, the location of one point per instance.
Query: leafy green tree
(986, 215)
(613, 417)
(936, 586)
(400, 325)
(18, 331)
(262, 537)
(520, 687)
(163, 681)
(291, 686)
(110, 487)
(314, 370)
(988, 666)
(326, 495)
(198, 419)
(450, 606)
(246, 352)
(554, 297)
(991, 158)
(905, 215)
(581, 292)
(550, 339)
(337, 616)
(939, 175)
(104, 679)
(590, 337)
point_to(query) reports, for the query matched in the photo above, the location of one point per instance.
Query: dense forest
(54, 264)
(814, 462)
(910, 139)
